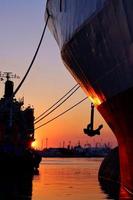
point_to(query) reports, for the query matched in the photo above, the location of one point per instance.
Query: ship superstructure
(16, 123)
(95, 38)
(16, 129)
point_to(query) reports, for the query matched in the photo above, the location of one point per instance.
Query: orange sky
(21, 27)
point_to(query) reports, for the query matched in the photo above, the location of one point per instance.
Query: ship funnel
(8, 89)
(8, 84)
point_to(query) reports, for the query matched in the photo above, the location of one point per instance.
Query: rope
(62, 113)
(55, 103)
(34, 57)
(57, 106)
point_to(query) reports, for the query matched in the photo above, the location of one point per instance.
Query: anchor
(89, 130)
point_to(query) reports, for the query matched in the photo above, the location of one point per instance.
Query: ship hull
(99, 55)
(27, 161)
(118, 113)
(117, 109)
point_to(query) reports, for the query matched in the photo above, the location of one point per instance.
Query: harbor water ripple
(60, 179)
(71, 179)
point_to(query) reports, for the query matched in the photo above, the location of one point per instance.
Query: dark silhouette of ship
(95, 38)
(16, 132)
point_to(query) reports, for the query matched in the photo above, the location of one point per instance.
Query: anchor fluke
(89, 130)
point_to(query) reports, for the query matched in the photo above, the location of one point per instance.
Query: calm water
(60, 179)
(68, 179)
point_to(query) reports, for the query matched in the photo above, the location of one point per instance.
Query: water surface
(68, 179)
(60, 179)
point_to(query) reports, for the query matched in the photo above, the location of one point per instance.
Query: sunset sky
(21, 25)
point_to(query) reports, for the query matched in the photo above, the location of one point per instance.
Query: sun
(34, 144)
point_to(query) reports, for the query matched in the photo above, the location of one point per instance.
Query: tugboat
(16, 132)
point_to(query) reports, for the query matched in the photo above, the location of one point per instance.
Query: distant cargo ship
(16, 132)
(95, 38)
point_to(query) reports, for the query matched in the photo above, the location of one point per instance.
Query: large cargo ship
(16, 132)
(95, 38)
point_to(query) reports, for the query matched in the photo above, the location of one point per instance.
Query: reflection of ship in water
(15, 186)
(114, 190)
(96, 43)
(16, 132)
(110, 188)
